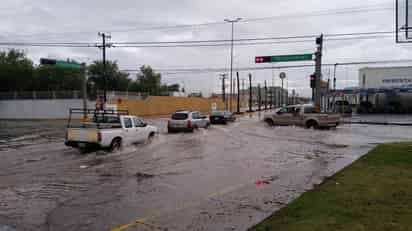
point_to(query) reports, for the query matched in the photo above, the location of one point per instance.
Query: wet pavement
(224, 178)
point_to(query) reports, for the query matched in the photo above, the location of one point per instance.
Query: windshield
(218, 113)
(179, 116)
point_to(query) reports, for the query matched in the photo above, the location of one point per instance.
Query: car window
(283, 110)
(180, 116)
(290, 109)
(128, 123)
(196, 115)
(218, 113)
(138, 122)
(309, 110)
(106, 119)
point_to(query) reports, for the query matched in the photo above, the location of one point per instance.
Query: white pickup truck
(107, 129)
(301, 115)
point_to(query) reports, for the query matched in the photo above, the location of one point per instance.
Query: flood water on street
(224, 178)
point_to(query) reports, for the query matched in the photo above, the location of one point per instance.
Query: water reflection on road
(226, 177)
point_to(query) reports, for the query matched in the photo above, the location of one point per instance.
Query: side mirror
(144, 124)
(279, 113)
(203, 117)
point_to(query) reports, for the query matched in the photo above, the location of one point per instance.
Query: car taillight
(189, 124)
(99, 137)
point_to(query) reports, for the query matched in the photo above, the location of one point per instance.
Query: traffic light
(48, 61)
(313, 81)
(319, 40)
(263, 59)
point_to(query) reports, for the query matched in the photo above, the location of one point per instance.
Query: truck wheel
(116, 145)
(170, 130)
(83, 150)
(312, 124)
(270, 122)
(151, 137)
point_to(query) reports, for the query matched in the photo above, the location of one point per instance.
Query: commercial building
(385, 89)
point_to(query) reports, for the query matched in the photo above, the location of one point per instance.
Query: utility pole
(334, 85)
(273, 90)
(250, 93)
(328, 101)
(266, 96)
(84, 90)
(104, 46)
(238, 93)
(223, 78)
(318, 70)
(231, 56)
(243, 91)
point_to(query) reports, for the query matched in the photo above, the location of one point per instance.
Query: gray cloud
(47, 21)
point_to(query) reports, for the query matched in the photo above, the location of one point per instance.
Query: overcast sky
(131, 20)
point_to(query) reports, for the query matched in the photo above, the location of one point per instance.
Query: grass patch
(374, 193)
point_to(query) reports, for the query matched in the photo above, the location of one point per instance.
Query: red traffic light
(262, 59)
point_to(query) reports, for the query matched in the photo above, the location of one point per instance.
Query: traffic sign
(61, 63)
(282, 75)
(283, 58)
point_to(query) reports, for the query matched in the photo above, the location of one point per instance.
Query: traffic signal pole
(318, 71)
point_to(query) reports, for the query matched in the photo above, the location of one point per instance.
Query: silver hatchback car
(187, 121)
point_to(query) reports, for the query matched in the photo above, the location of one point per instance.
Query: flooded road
(224, 178)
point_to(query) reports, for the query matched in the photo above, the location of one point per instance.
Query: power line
(209, 70)
(350, 10)
(206, 43)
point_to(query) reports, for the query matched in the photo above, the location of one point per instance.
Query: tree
(149, 81)
(16, 71)
(51, 78)
(116, 80)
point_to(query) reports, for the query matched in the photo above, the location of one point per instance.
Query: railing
(15, 95)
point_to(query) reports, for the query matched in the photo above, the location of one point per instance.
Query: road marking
(186, 205)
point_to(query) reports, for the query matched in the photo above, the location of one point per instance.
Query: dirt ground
(224, 178)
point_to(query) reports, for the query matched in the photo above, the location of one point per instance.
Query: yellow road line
(141, 221)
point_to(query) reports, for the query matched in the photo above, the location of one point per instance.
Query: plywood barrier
(165, 105)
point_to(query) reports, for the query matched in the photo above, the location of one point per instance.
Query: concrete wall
(39, 109)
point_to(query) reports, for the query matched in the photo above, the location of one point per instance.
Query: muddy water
(224, 178)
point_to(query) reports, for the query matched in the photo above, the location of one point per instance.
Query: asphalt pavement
(223, 178)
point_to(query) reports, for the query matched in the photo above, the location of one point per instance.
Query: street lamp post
(232, 21)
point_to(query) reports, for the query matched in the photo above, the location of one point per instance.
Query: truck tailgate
(82, 135)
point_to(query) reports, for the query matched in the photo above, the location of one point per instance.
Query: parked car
(108, 129)
(187, 121)
(342, 107)
(302, 115)
(221, 117)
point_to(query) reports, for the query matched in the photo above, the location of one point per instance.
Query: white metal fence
(21, 95)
